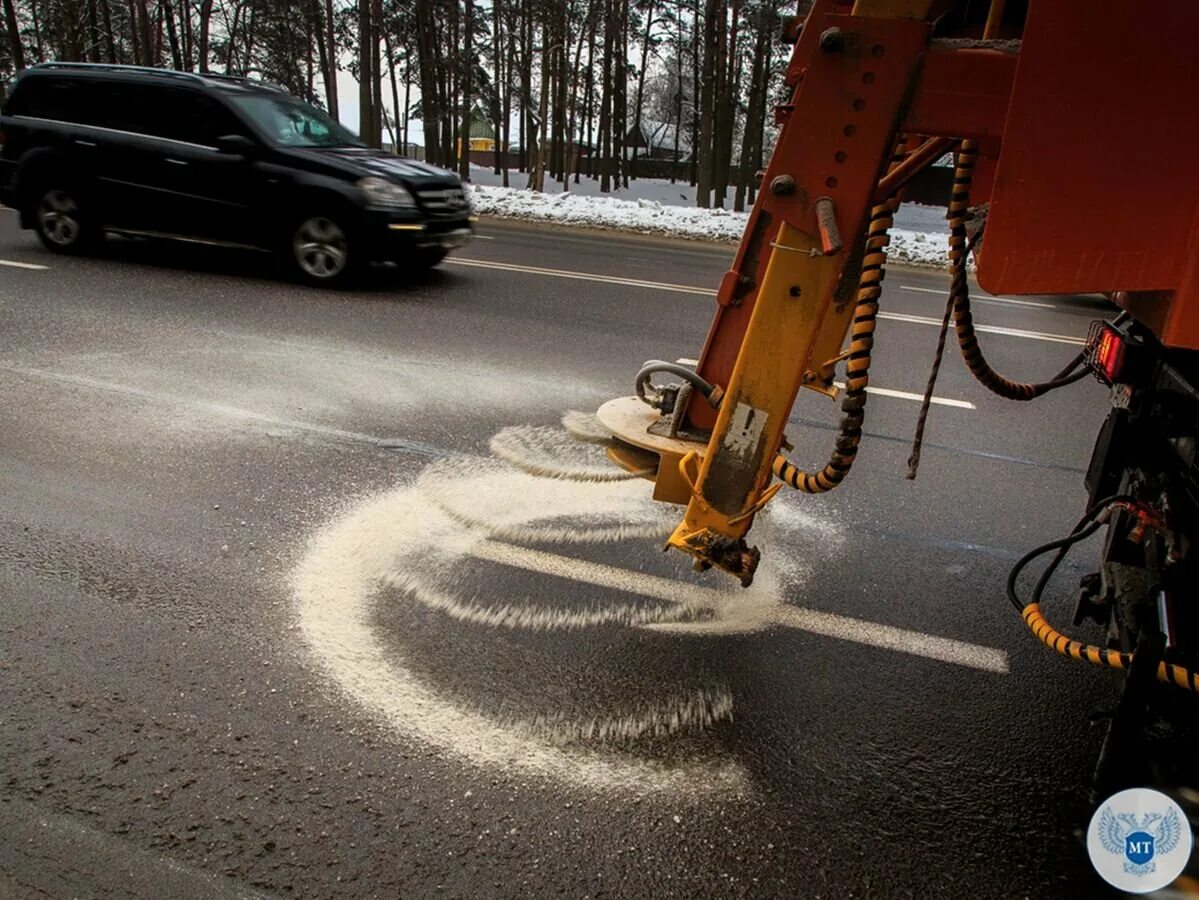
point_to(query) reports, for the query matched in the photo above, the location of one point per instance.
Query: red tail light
(1106, 352)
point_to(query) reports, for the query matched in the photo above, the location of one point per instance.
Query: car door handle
(82, 143)
(177, 162)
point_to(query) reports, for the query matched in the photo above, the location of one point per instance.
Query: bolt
(832, 40)
(782, 185)
(795, 290)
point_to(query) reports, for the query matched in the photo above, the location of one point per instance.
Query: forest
(560, 89)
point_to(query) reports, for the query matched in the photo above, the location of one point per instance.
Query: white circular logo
(1139, 840)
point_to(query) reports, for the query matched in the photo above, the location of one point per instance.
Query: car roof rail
(115, 67)
(243, 80)
(194, 77)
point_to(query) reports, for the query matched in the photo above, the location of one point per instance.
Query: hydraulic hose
(1060, 643)
(642, 383)
(959, 293)
(857, 366)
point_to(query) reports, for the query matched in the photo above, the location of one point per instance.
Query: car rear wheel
(62, 222)
(321, 252)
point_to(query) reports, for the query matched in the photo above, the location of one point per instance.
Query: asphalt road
(277, 620)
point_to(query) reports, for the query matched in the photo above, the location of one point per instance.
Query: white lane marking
(582, 276)
(846, 628)
(944, 292)
(708, 292)
(483, 237)
(882, 392)
(220, 409)
(990, 329)
(13, 264)
(872, 634)
(908, 395)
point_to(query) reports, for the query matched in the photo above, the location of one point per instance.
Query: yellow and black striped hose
(857, 366)
(1091, 522)
(1113, 659)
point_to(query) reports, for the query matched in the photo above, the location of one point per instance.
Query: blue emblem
(1139, 840)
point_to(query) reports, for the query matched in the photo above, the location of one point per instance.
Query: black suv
(90, 148)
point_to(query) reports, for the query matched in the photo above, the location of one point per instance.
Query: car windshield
(294, 123)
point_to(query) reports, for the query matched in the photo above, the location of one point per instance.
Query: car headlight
(382, 193)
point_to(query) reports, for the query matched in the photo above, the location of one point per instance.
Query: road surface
(279, 620)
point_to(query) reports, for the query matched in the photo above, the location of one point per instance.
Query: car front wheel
(321, 252)
(61, 221)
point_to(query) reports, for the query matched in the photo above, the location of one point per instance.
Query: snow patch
(647, 216)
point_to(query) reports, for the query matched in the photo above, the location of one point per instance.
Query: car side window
(60, 99)
(198, 119)
(163, 111)
(127, 106)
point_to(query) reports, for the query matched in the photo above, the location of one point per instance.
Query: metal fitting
(782, 185)
(832, 40)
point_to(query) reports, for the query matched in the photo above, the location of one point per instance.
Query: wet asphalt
(181, 430)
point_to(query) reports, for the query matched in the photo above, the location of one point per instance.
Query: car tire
(62, 221)
(321, 251)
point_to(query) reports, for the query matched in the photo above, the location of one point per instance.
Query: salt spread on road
(475, 514)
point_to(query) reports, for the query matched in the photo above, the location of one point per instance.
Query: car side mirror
(236, 145)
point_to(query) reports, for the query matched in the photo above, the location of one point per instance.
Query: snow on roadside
(652, 217)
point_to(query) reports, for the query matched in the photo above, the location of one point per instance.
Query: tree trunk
(497, 53)
(695, 94)
(407, 106)
(398, 134)
(526, 87)
(143, 28)
(678, 95)
(537, 171)
(231, 40)
(703, 152)
(110, 41)
(621, 132)
(329, 68)
(205, 29)
(92, 51)
(562, 75)
(377, 71)
(168, 15)
(589, 99)
(15, 51)
(426, 55)
(753, 124)
(571, 150)
(638, 97)
(185, 21)
(322, 55)
(366, 92)
(450, 140)
(506, 117)
(605, 125)
(723, 98)
(466, 84)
